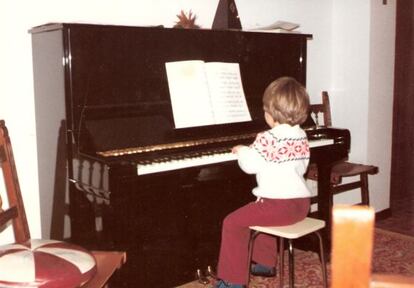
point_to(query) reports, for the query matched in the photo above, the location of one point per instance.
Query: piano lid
(119, 95)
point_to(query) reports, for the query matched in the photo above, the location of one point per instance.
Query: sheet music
(189, 94)
(226, 91)
(206, 93)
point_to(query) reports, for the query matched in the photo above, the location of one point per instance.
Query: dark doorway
(402, 170)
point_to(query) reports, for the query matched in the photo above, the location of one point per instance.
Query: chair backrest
(323, 108)
(352, 247)
(15, 210)
(76, 268)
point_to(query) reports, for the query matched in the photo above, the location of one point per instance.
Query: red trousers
(232, 265)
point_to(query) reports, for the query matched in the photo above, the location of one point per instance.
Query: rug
(393, 253)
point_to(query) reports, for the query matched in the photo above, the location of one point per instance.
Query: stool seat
(290, 232)
(294, 231)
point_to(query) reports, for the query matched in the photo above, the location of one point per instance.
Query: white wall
(362, 87)
(350, 72)
(341, 58)
(380, 102)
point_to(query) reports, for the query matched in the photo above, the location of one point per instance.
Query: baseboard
(383, 214)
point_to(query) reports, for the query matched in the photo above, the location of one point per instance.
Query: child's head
(286, 101)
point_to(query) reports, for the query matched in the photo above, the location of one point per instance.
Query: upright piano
(136, 182)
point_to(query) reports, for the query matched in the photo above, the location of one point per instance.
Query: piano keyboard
(200, 159)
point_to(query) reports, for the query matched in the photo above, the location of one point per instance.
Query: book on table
(206, 93)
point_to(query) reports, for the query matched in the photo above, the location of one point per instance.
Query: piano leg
(82, 218)
(325, 203)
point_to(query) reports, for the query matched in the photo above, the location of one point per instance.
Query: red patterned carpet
(393, 253)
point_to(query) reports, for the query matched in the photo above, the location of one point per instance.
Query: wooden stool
(290, 232)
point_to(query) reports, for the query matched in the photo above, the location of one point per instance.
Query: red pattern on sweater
(274, 149)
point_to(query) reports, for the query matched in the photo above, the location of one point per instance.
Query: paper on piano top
(206, 93)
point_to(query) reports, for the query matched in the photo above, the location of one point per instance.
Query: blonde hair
(287, 101)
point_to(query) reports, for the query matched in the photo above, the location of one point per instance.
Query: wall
(340, 59)
(362, 87)
(380, 100)
(350, 72)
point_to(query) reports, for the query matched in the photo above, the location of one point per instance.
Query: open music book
(206, 93)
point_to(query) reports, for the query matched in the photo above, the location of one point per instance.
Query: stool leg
(291, 265)
(323, 262)
(253, 235)
(364, 189)
(281, 259)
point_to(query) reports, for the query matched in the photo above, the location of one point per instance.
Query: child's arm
(248, 158)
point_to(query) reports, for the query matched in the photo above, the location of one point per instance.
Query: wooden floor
(402, 219)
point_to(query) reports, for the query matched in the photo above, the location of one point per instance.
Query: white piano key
(320, 142)
(185, 163)
(158, 167)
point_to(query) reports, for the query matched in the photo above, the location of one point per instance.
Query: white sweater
(279, 157)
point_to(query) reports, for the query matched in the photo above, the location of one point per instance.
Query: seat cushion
(342, 169)
(312, 174)
(45, 263)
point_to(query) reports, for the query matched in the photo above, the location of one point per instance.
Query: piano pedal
(201, 278)
(210, 272)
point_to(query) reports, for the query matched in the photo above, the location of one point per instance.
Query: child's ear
(269, 120)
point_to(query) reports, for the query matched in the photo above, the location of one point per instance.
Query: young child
(279, 158)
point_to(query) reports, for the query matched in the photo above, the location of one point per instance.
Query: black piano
(161, 193)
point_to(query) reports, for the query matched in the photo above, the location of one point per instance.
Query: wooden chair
(342, 168)
(290, 232)
(107, 262)
(352, 246)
